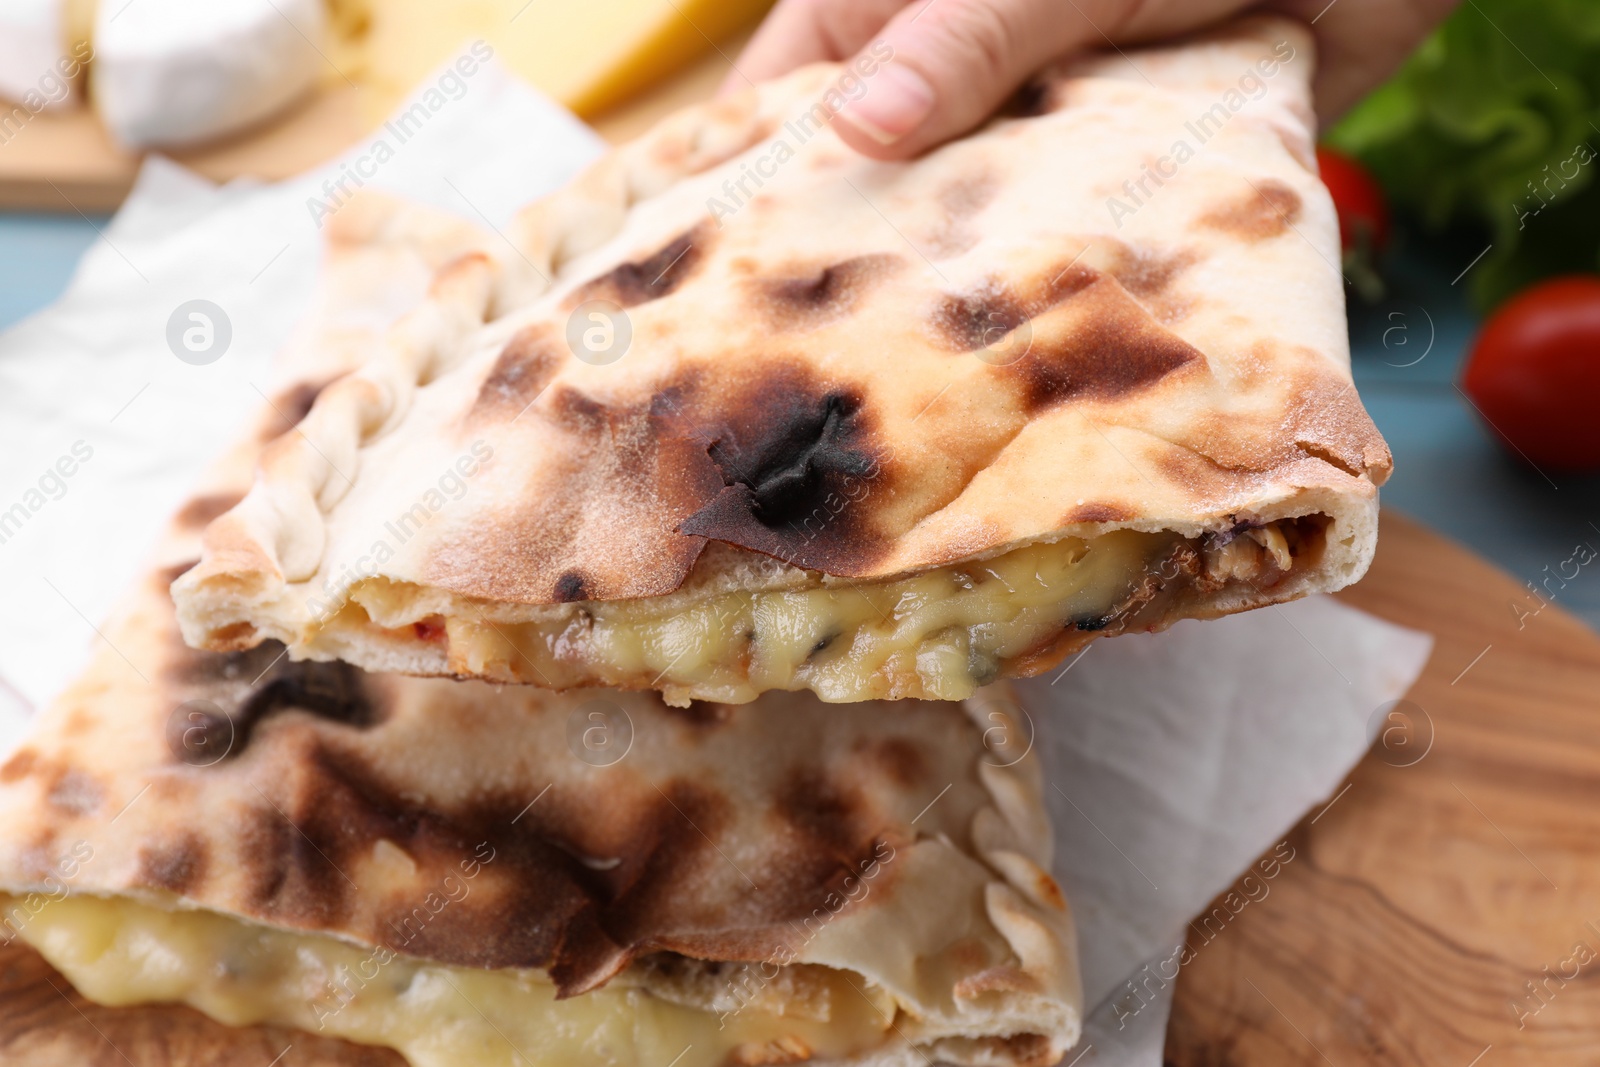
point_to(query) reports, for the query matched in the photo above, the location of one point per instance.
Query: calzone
(765, 414)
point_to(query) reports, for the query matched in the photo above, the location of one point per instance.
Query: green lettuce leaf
(1495, 123)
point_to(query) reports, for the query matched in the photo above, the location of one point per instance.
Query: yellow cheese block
(588, 54)
(79, 22)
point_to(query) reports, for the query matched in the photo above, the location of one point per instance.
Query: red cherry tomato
(1534, 373)
(1363, 214)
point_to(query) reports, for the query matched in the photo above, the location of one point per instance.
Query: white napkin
(95, 371)
(1172, 760)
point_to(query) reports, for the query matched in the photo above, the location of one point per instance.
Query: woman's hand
(955, 61)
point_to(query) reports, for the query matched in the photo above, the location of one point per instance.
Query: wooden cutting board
(67, 163)
(1438, 881)
(1420, 900)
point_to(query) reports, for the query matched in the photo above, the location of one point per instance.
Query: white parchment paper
(1172, 760)
(95, 371)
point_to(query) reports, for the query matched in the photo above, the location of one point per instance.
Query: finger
(949, 63)
(955, 61)
(798, 32)
(1360, 43)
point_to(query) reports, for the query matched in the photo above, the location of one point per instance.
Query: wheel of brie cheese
(177, 72)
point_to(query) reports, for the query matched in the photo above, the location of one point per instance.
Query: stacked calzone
(743, 430)
(474, 876)
(767, 415)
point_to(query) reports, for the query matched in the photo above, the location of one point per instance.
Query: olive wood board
(65, 162)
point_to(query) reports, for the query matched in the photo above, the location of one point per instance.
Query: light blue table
(1448, 471)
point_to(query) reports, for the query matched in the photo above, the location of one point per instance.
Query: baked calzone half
(745, 411)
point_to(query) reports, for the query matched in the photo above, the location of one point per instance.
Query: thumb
(942, 67)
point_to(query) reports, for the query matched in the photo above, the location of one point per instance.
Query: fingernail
(895, 103)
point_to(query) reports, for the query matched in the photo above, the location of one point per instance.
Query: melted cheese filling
(936, 635)
(120, 952)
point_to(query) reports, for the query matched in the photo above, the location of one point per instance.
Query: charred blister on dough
(898, 759)
(809, 298)
(222, 675)
(176, 867)
(573, 408)
(653, 467)
(268, 856)
(983, 317)
(827, 812)
(649, 278)
(784, 472)
(1062, 283)
(335, 692)
(570, 588)
(1267, 208)
(1149, 272)
(967, 322)
(74, 792)
(1098, 512)
(312, 828)
(245, 688)
(520, 374)
(553, 887)
(1111, 349)
(799, 460)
